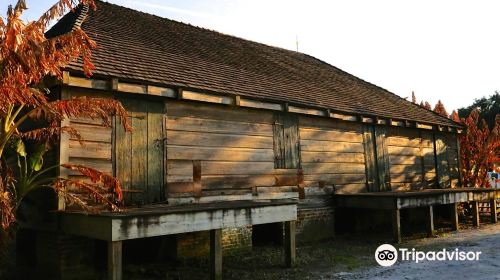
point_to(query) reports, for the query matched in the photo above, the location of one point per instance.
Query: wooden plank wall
(234, 148)
(332, 153)
(452, 145)
(96, 147)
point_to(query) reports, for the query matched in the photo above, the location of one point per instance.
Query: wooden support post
(454, 216)
(493, 210)
(114, 260)
(216, 254)
(396, 225)
(430, 220)
(290, 256)
(475, 213)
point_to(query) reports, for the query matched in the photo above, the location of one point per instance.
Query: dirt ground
(345, 257)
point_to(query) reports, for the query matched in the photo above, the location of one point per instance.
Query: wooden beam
(88, 83)
(493, 211)
(244, 102)
(114, 260)
(475, 213)
(396, 225)
(197, 178)
(307, 111)
(430, 220)
(454, 216)
(161, 91)
(114, 84)
(207, 97)
(290, 254)
(216, 254)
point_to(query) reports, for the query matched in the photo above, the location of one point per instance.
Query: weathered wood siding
(95, 149)
(233, 146)
(332, 154)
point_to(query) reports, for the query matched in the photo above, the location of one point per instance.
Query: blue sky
(448, 50)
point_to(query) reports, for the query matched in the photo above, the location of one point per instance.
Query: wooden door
(139, 155)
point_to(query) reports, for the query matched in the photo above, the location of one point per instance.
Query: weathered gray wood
(139, 153)
(114, 260)
(289, 242)
(216, 254)
(396, 225)
(286, 141)
(475, 213)
(429, 220)
(383, 165)
(493, 211)
(154, 222)
(454, 216)
(442, 165)
(122, 157)
(155, 149)
(372, 179)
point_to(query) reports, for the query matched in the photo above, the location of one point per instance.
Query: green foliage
(488, 107)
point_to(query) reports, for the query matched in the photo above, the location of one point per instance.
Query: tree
(427, 106)
(479, 149)
(439, 108)
(28, 116)
(488, 108)
(454, 116)
(413, 98)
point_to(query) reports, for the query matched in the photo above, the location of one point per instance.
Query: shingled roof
(142, 47)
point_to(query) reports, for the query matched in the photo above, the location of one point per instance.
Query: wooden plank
(64, 152)
(493, 211)
(307, 111)
(332, 157)
(161, 91)
(236, 168)
(216, 254)
(132, 88)
(89, 83)
(475, 213)
(350, 188)
(218, 126)
(405, 151)
(123, 149)
(337, 179)
(219, 154)
(407, 160)
(218, 140)
(430, 220)
(328, 123)
(218, 112)
(369, 156)
(244, 102)
(207, 97)
(325, 146)
(405, 169)
(400, 141)
(454, 216)
(94, 150)
(114, 260)
(333, 168)
(396, 225)
(330, 135)
(383, 165)
(290, 244)
(279, 141)
(93, 133)
(237, 181)
(291, 141)
(155, 149)
(139, 153)
(442, 168)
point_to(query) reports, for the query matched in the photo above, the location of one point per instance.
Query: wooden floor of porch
(395, 201)
(163, 219)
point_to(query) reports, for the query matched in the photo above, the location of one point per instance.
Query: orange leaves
(479, 150)
(102, 185)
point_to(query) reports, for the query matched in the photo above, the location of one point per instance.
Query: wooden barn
(231, 135)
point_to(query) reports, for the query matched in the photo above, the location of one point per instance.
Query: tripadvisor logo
(387, 255)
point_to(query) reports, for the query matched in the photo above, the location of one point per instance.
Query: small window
(286, 141)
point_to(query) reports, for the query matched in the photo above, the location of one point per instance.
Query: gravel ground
(345, 257)
(486, 239)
